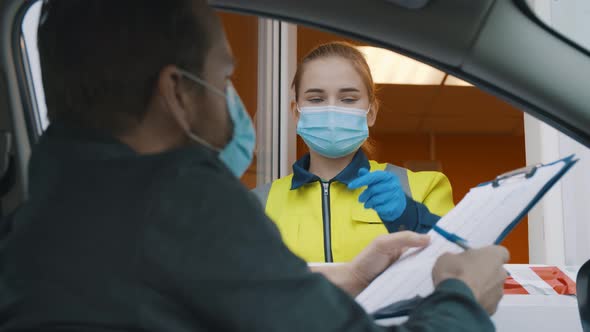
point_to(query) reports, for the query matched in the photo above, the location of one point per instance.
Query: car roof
(498, 45)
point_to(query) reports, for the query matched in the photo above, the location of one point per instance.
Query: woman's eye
(315, 100)
(349, 100)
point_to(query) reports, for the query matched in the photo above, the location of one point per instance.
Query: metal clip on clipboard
(528, 172)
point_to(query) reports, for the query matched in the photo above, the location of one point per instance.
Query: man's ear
(174, 97)
(372, 115)
(294, 110)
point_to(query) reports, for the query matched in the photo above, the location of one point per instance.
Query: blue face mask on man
(333, 131)
(238, 153)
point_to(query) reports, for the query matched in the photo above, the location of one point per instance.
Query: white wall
(576, 204)
(559, 227)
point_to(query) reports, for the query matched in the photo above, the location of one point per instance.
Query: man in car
(136, 220)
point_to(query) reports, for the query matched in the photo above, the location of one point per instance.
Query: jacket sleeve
(213, 259)
(451, 307)
(438, 197)
(416, 218)
(421, 216)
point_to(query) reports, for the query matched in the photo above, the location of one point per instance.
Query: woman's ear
(294, 110)
(372, 115)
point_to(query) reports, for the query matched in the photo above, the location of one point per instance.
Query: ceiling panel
(470, 125)
(457, 100)
(406, 99)
(445, 110)
(397, 124)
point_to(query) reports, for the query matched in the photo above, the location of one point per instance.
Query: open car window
(428, 119)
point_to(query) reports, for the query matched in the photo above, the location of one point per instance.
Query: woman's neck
(327, 168)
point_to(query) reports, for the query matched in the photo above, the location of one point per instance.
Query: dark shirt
(110, 240)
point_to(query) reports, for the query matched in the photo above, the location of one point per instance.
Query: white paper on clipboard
(485, 216)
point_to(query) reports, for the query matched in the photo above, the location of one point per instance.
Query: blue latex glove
(384, 193)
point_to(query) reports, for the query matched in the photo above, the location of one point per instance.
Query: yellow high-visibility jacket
(324, 221)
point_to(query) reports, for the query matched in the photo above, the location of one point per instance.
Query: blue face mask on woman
(238, 153)
(333, 131)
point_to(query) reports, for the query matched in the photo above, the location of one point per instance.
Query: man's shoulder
(190, 165)
(199, 196)
(187, 173)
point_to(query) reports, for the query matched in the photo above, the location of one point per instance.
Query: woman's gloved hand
(384, 193)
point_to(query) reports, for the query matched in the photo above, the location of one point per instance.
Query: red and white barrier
(540, 280)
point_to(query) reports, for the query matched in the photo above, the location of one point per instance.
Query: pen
(456, 239)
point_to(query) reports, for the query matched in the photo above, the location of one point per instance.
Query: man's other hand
(382, 252)
(355, 276)
(481, 269)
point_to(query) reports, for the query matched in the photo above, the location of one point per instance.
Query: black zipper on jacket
(327, 222)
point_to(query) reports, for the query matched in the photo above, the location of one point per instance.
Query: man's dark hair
(101, 59)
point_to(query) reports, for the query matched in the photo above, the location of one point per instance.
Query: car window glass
(432, 121)
(428, 120)
(570, 18)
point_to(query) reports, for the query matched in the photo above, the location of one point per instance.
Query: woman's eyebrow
(350, 90)
(314, 91)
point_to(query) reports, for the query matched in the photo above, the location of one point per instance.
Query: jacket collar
(302, 176)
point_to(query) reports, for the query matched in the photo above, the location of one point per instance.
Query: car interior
(494, 70)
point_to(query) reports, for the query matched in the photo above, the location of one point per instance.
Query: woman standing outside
(337, 200)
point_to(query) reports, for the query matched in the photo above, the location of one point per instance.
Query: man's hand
(480, 269)
(355, 276)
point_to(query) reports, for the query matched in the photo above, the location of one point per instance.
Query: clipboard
(487, 214)
(527, 173)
